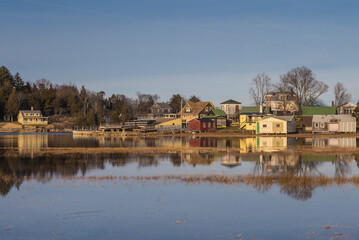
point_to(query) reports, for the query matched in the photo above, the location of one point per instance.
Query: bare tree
(304, 84)
(341, 95)
(262, 86)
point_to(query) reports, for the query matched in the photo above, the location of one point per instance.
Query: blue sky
(210, 48)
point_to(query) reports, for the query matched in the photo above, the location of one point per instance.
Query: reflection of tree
(299, 190)
(342, 168)
(14, 168)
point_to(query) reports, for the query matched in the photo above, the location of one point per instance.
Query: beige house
(230, 107)
(281, 102)
(346, 109)
(31, 117)
(276, 125)
(194, 110)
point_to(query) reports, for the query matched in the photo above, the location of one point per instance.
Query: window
(206, 109)
(316, 125)
(188, 109)
(264, 125)
(277, 125)
(204, 125)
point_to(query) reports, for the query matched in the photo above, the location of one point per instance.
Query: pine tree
(5, 75)
(18, 82)
(91, 117)
(12, 105)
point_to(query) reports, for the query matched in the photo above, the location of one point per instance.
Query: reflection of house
(281, 102)
(268, 144)
(309, 112)
(202, 142)
(279, 163)
(194, 110)
(201, 125)
(31, 117)
(198, 159)
(334, 142)
(32, 144)
(230, 160)
(159, 109)
(219, 117)
(230, 107)
(347, 108)
(276, 125)
(333, 123)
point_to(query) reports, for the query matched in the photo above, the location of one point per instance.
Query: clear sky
(211, 48)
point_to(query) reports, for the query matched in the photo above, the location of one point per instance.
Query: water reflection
(31, 144)
(15, 168)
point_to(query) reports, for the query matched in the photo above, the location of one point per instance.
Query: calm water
(107, 195)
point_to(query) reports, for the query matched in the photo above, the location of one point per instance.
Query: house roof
(202, 120)
(310, 111)
(163, 105)
(230, 101)
(250, 109)
(29, 111)
(253, 109)
(197, 107)
(275, 96)
(283, 118)
(217, 113)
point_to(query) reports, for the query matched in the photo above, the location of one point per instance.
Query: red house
(201, 125)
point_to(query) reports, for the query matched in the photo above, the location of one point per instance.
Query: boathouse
(276, 125)
(333, 124)
(201, 125)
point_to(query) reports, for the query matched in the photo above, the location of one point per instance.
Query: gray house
(333, 124)
(159, 109)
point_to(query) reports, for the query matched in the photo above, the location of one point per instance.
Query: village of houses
(268, 118)
(198, 117)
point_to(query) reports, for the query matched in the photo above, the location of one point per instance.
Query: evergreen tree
(175, 102)
(18, 82)
(194, 99)
(12, 105)
(5, 75)
(91, 118)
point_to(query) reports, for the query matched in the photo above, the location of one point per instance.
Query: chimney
(261, 108)
(32, 108)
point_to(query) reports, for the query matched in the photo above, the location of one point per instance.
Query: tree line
(81, 106)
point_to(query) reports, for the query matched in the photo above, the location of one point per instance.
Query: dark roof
(231, 101)
(163, 105)
(29, 111)
(310, 111)
(203, 119)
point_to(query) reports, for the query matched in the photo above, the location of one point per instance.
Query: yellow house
(31, 117)
(196, 110)
(248, 121)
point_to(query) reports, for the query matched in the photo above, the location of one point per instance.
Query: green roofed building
(219, 117)
(310, 111)
(250, 109)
